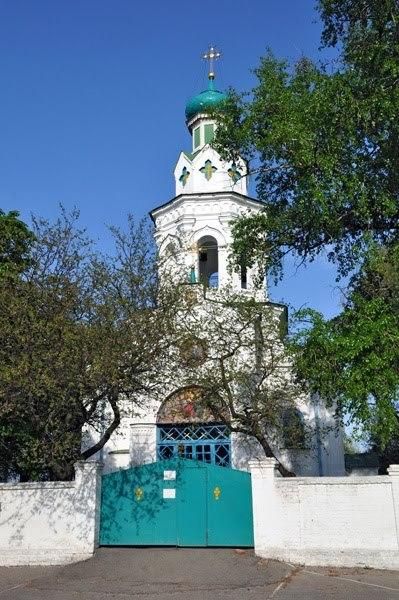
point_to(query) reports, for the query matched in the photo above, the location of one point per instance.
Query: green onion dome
(204, 102)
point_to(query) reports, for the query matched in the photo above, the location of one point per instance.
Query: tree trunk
(113, 400)
(270, 454)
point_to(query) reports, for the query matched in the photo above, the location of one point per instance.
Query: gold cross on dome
(211, 55)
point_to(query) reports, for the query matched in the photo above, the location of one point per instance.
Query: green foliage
(15, 243)
(388, 454)
(350, 446)
(78, 345)
(322, 141)
(353, 360)
(323, 145)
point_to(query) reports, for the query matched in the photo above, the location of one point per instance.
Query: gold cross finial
(212, 54)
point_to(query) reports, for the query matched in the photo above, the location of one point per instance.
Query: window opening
(209, 132)
(208, 261)
(208, 443)
(234, 173)
(243, 277)
(197, 137)
(208, 169)
(185, 174)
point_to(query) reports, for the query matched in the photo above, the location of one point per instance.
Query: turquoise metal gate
(177, 502)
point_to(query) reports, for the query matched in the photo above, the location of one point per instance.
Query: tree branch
(113, 400)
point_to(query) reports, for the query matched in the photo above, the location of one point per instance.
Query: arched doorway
(187, 428)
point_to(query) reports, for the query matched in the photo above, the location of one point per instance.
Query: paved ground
(191, 574)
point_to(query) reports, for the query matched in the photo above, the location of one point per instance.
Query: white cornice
(239, 199)
(198, 117)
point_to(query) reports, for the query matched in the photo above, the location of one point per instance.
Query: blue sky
(93, 95)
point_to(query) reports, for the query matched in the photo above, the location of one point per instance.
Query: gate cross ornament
(217, 493)
(138, 494)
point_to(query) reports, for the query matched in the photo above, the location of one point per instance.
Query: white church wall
(301, 462)
(135, 441)
(332, 441)
(326, 521)
(117, 452)
(114, 460)
(324, 452)
(51, 523)
(243, 450)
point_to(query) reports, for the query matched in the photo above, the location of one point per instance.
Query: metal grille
(207, 443)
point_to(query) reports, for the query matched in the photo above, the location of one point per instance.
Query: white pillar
(263, 469)
(223, 275)
(393, 472)
(143, 443)
(88, 501)
(262, 477)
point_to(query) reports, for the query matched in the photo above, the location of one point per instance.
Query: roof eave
(203, 194)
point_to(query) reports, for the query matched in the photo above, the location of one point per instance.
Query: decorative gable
(204, 171)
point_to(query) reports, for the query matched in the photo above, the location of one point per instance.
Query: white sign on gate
(169, 493)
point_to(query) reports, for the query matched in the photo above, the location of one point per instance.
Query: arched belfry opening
(187, 428)
(208, 261)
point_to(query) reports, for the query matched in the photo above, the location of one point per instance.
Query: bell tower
(194, 228)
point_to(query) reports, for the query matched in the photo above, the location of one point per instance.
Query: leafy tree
(323, 143)
(15, 242)
(78, 337)
(232, 348)
(350, 446)
(323, 146)
(354, 358)
(388, 454)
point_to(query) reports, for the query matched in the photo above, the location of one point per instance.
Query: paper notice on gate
(169, 493)
(169, 475)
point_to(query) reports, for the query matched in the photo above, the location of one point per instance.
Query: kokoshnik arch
(194, 230)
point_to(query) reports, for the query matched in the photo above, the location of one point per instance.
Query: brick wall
(50, 523)
(337, 521)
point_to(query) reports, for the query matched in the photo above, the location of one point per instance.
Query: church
(193, 229)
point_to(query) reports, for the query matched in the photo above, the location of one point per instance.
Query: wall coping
(365, 480)
(37, 485)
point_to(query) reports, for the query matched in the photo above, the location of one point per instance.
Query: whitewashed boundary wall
(330, 521)
(51, 523)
